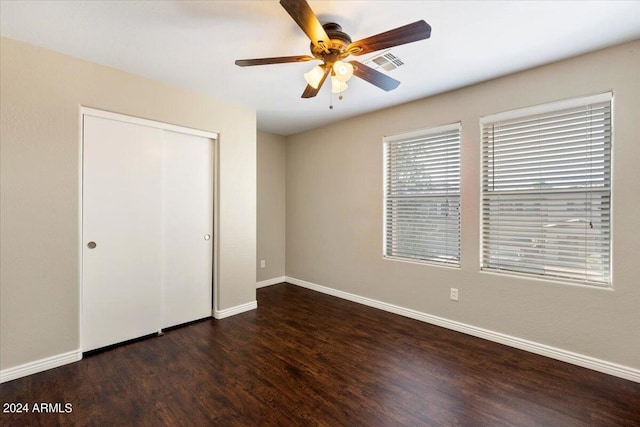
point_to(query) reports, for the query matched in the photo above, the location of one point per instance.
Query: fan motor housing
(339, 41)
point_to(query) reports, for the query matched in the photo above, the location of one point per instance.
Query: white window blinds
(546, 191)
(422, 195)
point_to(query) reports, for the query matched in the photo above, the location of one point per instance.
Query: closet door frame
(213, 136)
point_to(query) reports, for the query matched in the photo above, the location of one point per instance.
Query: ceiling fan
(331, 45)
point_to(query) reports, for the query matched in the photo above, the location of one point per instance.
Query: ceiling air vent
(387, 61)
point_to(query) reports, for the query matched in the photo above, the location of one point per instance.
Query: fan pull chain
(340, 97)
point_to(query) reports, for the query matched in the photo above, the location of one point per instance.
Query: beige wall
(41, 95)
(334, 214)
(271, 206)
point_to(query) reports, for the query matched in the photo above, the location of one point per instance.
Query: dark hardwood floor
(305, 358)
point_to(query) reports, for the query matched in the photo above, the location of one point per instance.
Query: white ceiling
(193, 45)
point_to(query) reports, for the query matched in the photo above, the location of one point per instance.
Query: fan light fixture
(343, 71)
(337, 86)
(314, 77)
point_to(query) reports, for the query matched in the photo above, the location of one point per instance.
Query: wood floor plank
(305, 358)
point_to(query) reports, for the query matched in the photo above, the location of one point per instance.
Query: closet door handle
(91, 245)
(207, 236)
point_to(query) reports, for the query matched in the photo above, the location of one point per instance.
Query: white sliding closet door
(147, 228)
(122, 190)
(187, 231)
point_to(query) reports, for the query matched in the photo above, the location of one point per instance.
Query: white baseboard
(227, 312)
(73, 356)
(599, 365)
(270, 282)
(39, 365)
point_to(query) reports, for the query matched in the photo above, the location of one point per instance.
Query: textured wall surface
(271, 206)
(334, 214)
(42, 93)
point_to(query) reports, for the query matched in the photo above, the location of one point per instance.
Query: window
(422, 195)
(546, 191)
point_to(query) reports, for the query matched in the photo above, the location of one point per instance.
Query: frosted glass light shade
(342, 70)
(337, 86)
(314, 76)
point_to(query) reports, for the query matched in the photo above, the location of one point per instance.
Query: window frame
(530, 113)
(408, 137)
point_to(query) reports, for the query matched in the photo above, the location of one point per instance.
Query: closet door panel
(122, 190)
(187, 228)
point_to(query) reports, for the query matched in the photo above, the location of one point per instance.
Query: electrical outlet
(454, 294)
(263, 263)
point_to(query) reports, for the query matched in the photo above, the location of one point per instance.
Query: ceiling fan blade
(276, 60)
(310, 91)
(419, 30)
(301, 12)
(374, 77)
